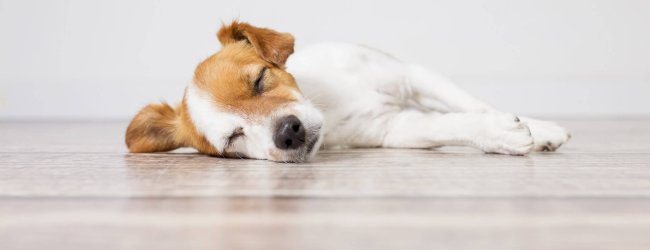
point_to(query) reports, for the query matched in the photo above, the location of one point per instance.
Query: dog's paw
(547, 136)
(506, 134)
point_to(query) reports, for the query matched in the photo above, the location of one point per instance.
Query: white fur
(217, 123)
(371, 99)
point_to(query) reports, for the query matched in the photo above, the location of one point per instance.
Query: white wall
(105, 59)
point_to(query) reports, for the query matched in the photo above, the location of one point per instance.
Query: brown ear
(154, 129)
(274, 47)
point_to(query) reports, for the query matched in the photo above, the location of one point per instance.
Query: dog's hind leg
(489, 132)
(548, 135)
(434, 92)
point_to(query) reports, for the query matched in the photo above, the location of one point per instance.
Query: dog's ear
(154, 129)
(274, 47)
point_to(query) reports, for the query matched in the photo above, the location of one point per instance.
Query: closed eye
(235, 134)
(258, 86)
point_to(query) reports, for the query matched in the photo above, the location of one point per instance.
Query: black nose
(290, 133)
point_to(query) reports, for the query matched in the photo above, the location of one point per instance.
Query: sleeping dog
(250, 100)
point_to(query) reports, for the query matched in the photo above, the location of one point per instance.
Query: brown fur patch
(272, 46)
(229, 76)
(159, 128)
(153, 129)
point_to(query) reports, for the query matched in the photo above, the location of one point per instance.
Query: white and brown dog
(244, 101)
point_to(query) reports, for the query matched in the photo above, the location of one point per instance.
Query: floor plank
(73, 186)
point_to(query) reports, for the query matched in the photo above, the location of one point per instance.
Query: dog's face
(242, 102)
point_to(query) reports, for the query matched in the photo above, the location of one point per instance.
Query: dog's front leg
(490, 132)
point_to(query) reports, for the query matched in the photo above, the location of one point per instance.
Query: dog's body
(371, 99)
(243, 103)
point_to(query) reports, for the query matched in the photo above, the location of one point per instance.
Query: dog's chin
(303, 153)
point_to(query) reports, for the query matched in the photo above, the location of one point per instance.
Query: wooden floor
(73, 186)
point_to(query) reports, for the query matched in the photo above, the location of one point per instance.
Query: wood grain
(73, 186)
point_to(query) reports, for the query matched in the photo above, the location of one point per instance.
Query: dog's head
(241, 103)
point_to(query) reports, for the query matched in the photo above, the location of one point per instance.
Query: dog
(250, 100)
